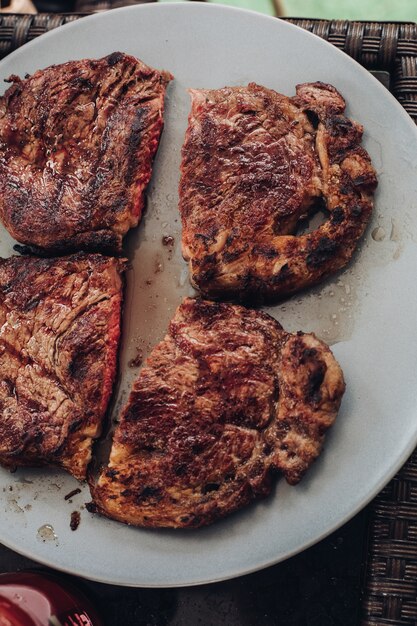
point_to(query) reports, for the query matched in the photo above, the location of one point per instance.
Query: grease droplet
(46, 533)
(168, 240)
(395, 233)
(378, 234)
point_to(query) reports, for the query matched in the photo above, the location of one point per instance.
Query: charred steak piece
(60, 327)
(226, 398)
(254, 164)
(76, 147)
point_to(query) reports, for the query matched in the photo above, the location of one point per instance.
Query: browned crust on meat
(254, 164)
(77, 142)
(224, 401)
(59, 334)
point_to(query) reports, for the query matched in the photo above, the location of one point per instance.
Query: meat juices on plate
(255, 164)
(77, 142)
(224, 401)
(59, 334)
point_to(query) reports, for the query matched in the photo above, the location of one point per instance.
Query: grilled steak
(226, 398)
(76, 147)
(60, 326)
(255, 164)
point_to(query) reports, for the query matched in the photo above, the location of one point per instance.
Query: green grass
(263, 6)
(379, 10)
(396, 10)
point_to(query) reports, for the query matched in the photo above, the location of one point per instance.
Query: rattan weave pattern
(15, 30)
(390, 580)
(390, 573)
(93, 6)
(380, 46)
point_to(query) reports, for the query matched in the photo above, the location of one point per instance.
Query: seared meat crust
(76, 147)
(59, 333)
(224, 400)
(254, 164)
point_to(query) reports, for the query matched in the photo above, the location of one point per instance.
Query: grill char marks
(254, 164)
(60, 327)
(227, 398)
(76, 147)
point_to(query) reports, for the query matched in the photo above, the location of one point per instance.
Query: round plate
(367, 312)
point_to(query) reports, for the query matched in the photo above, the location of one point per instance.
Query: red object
(31, 599)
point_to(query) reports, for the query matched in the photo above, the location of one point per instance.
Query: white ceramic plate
(368, 312)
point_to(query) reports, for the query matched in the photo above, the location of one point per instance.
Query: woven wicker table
(390, 559)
